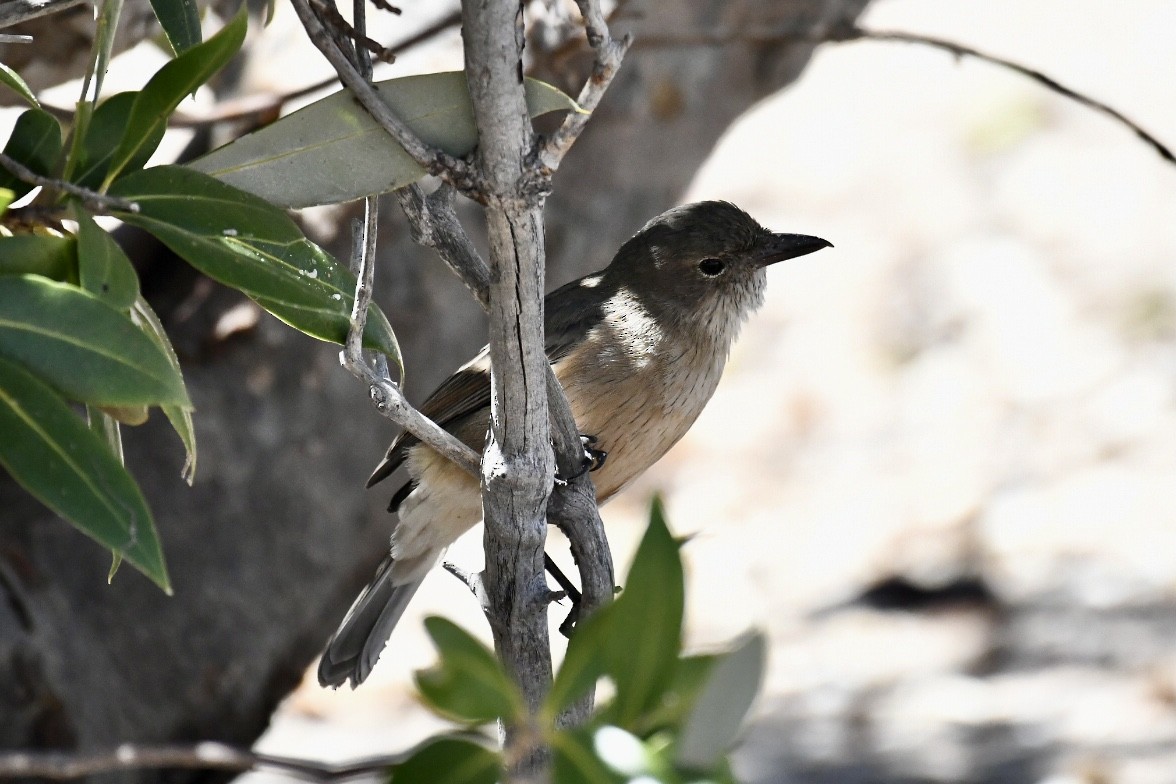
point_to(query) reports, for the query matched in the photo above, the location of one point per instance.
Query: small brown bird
(638, 348)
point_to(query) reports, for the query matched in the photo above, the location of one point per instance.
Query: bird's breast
(637, 392)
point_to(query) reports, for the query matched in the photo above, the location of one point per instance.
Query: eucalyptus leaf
(83, 347)
(251, 245)
(468, 683)
(171, 84)
(35, 142)
(53, 455)
(13, 80)
(449, 759)
(722, 704)
(103, 268)
(104, 131)
(582, 665)
(38, 254)
(180, 20)
(647, 636)
(6, 198)
(180, 416)
(333, 151)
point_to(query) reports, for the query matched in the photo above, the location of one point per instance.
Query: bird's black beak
(788, 246)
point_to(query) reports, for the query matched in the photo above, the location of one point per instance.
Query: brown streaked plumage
(638, 347)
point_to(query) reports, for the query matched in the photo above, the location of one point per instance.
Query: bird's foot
(593, 458)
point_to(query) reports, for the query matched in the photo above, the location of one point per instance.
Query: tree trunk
(268, 548)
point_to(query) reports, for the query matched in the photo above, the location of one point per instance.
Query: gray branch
(16, 11)
(432, 160)
(518, 467)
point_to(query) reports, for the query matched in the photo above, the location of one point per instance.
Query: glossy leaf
(35, 142)
(467, 683)
(13, 80)
(333, 151)
(171, 84)
(103, 268)
(647, 637)
(47, 256)
(179, 416)
(103, 134)
(449, 760)
(51, 453)
(83, 347)
(722, 704)
(180, 20)
(253, 246)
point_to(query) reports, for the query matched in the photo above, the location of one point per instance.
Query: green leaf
(170, 85)
(47, 256)
(690, 675)
(103, 134)
(103, 269)
(449, 760)
(582, 665)
(82, 346)
(51, 453)
(12, 79)
(647, 637)
(718, 712)
(35, 142)
(575, 761)
(180, 20)
(333, 151)
(179, 416)
(468, 683)
(6, 198)
(253, 246)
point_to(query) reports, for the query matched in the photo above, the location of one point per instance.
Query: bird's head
(702, 266)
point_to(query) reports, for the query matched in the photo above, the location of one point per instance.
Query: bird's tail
(354, 649)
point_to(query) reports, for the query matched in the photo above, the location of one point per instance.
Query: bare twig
(435, 225)
(92, 199)
(17, 11)
(355, 35)
(608, 54)
(8, 38)
(432, 160)
(850, 33)
(261, 104)
(960, 50)
(63, 765)
(389, 400)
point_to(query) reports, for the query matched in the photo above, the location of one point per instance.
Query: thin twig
(92, 199)
(960, 50)
(432, 160)
(608, 54)
(389, 400)
(251, 106)
(208, 755)
(851, 33)
(355, 35)
(16, 11)
(9, 38)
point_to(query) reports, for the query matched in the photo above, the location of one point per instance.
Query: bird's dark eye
(712, 267)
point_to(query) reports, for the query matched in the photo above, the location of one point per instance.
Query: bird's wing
(571, 312)
(463, 393)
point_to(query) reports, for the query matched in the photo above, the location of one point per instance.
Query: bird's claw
(593, 458)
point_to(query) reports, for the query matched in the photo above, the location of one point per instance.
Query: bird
(638, 348)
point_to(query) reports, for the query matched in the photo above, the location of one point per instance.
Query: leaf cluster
(673, 717)
(74, 327)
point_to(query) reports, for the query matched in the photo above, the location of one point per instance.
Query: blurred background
(940, 470)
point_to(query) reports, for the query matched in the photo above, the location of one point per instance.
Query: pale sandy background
(978, 382)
